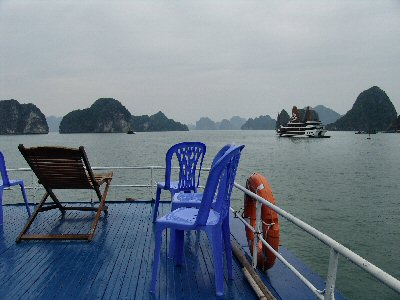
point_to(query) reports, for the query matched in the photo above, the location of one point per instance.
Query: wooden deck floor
(115, 265)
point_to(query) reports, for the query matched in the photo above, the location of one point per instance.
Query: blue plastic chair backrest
(220, 154)
(219, 185)
(3, 170)
(188, 155)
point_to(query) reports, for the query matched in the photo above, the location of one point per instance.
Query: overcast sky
(198, 58)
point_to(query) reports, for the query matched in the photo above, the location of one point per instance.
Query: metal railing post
(152, 182)
(257, 231)
(331, 278)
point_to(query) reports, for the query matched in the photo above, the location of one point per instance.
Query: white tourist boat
(308, 128)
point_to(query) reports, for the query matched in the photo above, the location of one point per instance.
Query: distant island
(282, 119)
(16, 118)
(326, 115)
(259, 123)
(395, 127)
(372, 111)
(205, 123)
(156, 122)
(107, 115)
(54, 123)
(235, 123)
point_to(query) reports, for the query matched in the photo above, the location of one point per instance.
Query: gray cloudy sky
(198, 58)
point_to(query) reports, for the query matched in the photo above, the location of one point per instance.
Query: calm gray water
(345, 186)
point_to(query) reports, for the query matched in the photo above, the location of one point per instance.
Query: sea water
(346, 186)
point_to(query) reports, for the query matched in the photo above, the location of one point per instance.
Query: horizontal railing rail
(113, 168)
(335, 247)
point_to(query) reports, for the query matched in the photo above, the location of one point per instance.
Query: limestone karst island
(372, 111)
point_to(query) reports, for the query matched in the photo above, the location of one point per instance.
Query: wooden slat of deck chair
(64, 168)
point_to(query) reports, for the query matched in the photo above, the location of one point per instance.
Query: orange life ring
(260, 186)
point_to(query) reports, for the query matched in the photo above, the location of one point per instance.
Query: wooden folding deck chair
(63, 168)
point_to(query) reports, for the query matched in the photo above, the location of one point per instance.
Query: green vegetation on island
(16, 118)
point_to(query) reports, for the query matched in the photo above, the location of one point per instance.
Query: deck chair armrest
(103, 177)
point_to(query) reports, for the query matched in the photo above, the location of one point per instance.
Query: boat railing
(336, 248)
(150, 185)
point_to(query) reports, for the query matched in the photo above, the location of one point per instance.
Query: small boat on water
(308, 127)
(366, 132)
(130, 131)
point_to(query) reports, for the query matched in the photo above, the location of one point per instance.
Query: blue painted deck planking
(115, 265)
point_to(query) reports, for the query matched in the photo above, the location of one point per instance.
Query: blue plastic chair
(188, 154)
(214, 221)
(183, 199)
(6, 183)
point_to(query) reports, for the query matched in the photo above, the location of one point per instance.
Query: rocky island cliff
(107, 115)
(282, 119)
(16, 118)
(372, 111)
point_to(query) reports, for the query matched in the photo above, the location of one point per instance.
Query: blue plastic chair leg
(179, 245)
(1, 206)
(218, 260)
(171, 247)
(21, 185)
(156, 262)
(228, 247)
(155, 212)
